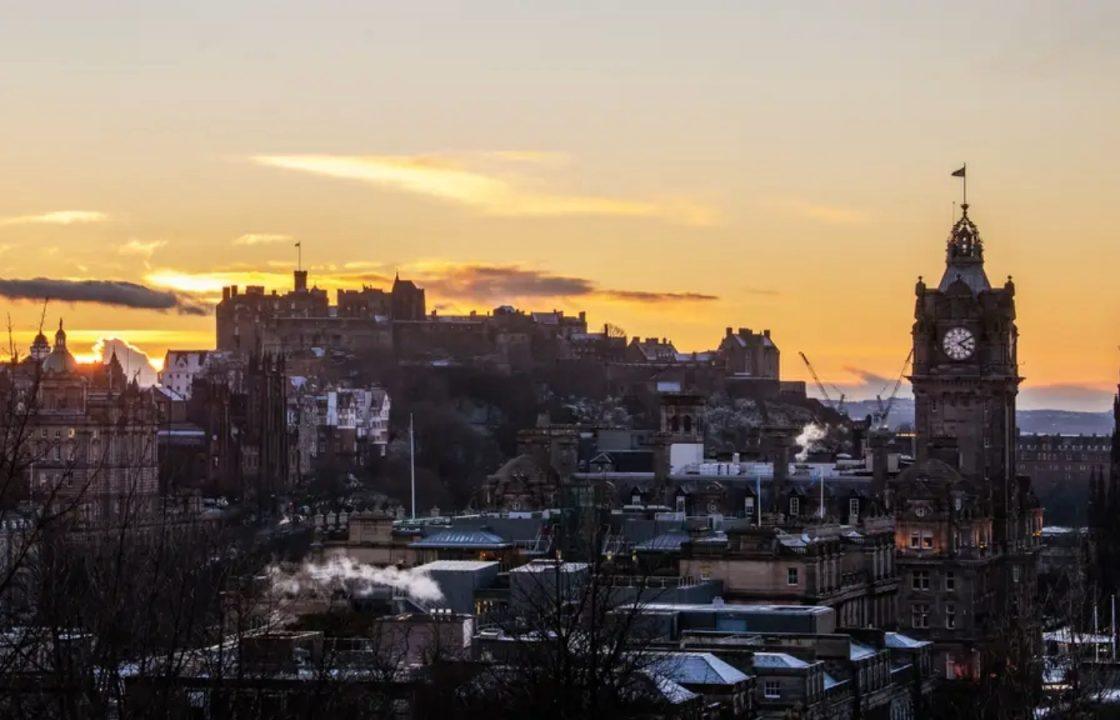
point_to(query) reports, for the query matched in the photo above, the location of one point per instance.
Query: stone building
(89, 435)
(969, 524)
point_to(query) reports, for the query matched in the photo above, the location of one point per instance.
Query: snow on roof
(697, 668)
(831, 682)
(856, 651)
(898, 641)
(479, 539)
(456, 565)
(778, 660)
(671, 691)
(1063, 635)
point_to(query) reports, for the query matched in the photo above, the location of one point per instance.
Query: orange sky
(671, 168)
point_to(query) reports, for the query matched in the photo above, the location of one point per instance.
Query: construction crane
(837, 406)
(883, 412)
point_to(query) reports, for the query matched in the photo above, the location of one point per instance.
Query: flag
(299, 244)
(959, 173)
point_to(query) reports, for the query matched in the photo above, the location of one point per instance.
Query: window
(853, 508)
(919, 615)
(919, 580)
(791, 576)
(771, 689)
(950, 581)
(794, 506)
(680, 503)
(748, 506)
(915, 540)
(950, 616)
(636, 499)
(1016, 573)
(927, 540)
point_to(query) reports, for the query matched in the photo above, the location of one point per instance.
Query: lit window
(791, 576)
(915, 540)
(927, 540)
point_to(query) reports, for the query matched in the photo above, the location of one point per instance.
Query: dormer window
(748, 506)
(794, 506)
(680, 503)
(636, 499)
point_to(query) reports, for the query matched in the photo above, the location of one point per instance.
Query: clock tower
(966, 375)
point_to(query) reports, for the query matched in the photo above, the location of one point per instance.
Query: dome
(59, 361)
(40, 348)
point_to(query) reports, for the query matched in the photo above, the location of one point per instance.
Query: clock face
(958, 343)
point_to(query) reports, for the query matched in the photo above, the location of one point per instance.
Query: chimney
(728, 332)
(225, 293)
(776, 442)
(877, 442)
(301, 280)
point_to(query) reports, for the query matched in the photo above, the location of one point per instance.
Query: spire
(964, 256)
(60, 336)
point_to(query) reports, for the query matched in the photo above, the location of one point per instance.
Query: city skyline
(683, 186)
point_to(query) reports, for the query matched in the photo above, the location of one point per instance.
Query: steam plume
(809, 440)
(358, 579)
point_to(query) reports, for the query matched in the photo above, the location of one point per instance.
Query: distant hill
(1067, 422)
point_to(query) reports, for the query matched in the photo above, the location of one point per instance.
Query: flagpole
(412, 464)
(964, 191)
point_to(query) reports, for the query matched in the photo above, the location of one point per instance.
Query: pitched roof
(778, 660)
(697, 669)
(477, 539)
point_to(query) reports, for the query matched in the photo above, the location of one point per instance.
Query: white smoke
(809, 439)
(357, 579)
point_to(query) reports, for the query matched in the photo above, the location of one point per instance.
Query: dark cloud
(649, 296)
(490, 282)
(502, 282)
(869, 378)
(119, 293)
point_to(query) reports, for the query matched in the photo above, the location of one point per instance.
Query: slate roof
(778, 660)
(856, 651)
(697, 669)
(472, 539)
(898, 641)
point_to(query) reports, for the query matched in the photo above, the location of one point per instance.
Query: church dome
(59, 361)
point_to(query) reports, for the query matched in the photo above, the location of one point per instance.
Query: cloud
(495, 282)
(830, 214)
(498, 283)
(446, 178)
(118, 293)
(656, 297)
(1068, 396)
(135, 361)
(57, 217)
(448, 281)
(143, 249)
(262, 239)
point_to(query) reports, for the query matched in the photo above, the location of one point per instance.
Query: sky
(671, 168)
